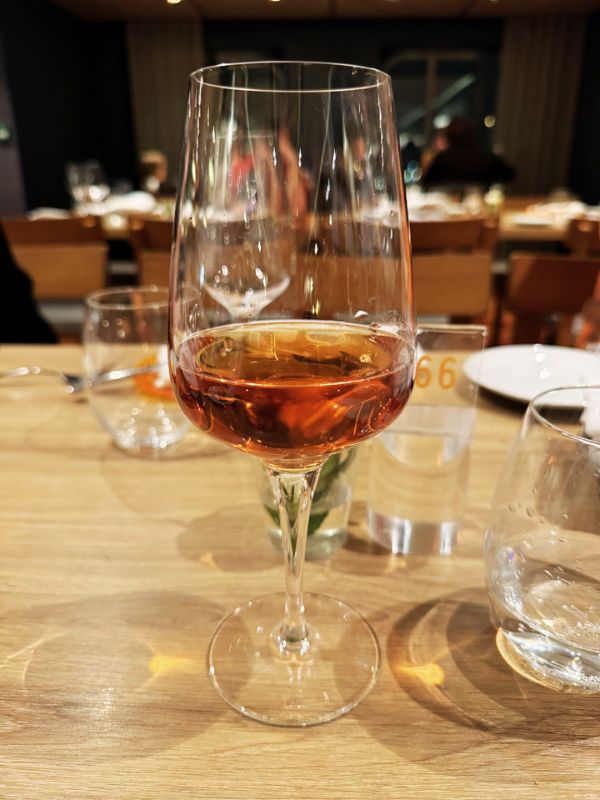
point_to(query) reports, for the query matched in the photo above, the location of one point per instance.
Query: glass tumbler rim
(379, 76)
(543, 420)
(100, 299)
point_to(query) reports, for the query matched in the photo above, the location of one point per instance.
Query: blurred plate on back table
(522, 371)
(532, 220)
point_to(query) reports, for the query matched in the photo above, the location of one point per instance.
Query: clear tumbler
(125, 359)
(542, 548)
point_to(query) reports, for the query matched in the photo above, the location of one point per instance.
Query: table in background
(114, 572)
(509, 230)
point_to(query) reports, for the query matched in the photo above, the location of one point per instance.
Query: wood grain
(114, 571)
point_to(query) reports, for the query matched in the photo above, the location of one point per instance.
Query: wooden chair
(72, 230)
(150, 234)
(64, 271)
(66, 258)
(151, 243)
(582, 237)
(541, 286)
(452, 285)
(454, 235)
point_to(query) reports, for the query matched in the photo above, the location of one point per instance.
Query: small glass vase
(327, 526)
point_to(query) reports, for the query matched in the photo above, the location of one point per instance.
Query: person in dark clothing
(20, 320)
(464, 162)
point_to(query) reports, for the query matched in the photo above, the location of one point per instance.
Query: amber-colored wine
(292, 392)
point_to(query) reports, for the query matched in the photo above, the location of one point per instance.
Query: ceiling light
(173, 2)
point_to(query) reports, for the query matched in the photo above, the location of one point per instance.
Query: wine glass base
(311, 685)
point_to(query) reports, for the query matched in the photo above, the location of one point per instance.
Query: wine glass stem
(293, 493)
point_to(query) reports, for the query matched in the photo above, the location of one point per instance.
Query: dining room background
(106, 80)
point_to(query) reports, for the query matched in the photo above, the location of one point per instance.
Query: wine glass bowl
(87, 183)
(291, 335)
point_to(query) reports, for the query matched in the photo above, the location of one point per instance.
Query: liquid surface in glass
(293, 390)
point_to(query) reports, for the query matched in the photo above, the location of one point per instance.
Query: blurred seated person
(255, 178)
(410, 152)
(20, 319)
(589, 334)
(463, 161)
(154, 173)
(438, 144)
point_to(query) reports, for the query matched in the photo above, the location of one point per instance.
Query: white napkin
(142, 202)
(48, 213)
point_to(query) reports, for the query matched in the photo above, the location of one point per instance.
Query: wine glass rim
(100, 299)
(379, 76)
(543, 420)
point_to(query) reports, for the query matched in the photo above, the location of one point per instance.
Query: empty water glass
(126, 329)
(420, 464)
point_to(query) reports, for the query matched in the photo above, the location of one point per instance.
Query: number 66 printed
(443, 372)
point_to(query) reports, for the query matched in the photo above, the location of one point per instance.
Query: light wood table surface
(114, 571)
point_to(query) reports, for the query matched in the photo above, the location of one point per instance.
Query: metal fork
(76, 383)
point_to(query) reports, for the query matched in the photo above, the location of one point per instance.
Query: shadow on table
(232, 539)
(361, 555)
(461, 710)
(491, 399)
(193, 445)
(65, 424)
(107, 677)
(157, 488)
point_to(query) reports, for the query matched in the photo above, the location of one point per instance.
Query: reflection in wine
(293, 392)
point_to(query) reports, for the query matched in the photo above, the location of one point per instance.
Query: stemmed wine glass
(87, 184)
(291, 336)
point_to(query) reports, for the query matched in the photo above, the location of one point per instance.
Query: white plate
(532, 220)
(521, 371)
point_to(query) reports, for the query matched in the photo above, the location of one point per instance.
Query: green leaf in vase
(334, 466)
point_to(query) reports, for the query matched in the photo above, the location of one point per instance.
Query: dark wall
(69, 87)
(585, 161)
(69, 84)
(366, 42)
(360, 41)
(12, 193)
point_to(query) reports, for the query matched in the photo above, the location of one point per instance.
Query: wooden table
(114, 570)
(509, 230)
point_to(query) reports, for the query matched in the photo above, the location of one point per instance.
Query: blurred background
(107, 79)
(497, 116)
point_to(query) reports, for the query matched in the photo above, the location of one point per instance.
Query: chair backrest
(153, 267)
(151, 243)
(454, 235)
(64, 271)
(150, 234)
(540, 285)
(451, 284)
(582, 236)
(20, 230)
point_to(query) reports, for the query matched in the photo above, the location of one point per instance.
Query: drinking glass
(87, 184)
(125, 359)
(542, 549)
(291, 336)
(420, 465)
